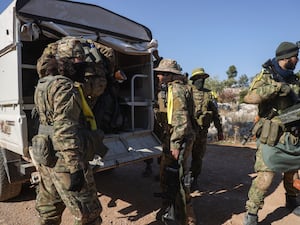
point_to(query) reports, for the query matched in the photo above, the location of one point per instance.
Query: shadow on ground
(224, 183)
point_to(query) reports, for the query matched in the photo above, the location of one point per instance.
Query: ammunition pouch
(265, 131)
(162, 101)
(42, 150)
(271, 131)
(256, 131)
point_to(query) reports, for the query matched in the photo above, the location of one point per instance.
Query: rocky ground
(127, 197)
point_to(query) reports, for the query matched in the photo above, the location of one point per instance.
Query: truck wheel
(7, 190)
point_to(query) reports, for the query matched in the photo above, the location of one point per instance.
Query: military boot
(293, 203)
(250, 219)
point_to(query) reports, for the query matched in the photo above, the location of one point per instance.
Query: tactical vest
(42, 149)
(162, 101)
(41, 99)
(202, 114)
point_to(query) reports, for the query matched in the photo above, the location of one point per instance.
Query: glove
(220, 136)
(285, 89)
(77, 181)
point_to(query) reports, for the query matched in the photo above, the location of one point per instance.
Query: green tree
(214, 84)
(243, 81)
(231, 72)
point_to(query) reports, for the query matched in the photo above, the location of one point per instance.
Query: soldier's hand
(285, 89)
(175, 153)
(77, 181)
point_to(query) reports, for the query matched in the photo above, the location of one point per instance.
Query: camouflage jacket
(182, 127)
(204, 104)
(60, 107)
(267, 93)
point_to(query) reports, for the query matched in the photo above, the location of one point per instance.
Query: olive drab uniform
(180, 135)
(65, 137)
(273, 93)
(205, 113)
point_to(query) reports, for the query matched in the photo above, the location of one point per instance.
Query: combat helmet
(67, 47)
(169, 66)
(198, 73)
(70, 47)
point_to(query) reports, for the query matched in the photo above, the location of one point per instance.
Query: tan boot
(190, 215)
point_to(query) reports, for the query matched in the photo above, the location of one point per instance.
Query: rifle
(248, 135)
(290, 116)
(177, 185)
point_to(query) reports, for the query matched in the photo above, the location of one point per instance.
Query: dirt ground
(127, 198)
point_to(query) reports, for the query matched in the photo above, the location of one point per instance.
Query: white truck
(26, 27)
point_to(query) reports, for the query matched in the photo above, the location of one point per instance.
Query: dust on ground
(127, 198)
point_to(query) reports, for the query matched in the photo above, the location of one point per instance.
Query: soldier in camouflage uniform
(205, 112)
(95, 82)
(275, 88)
(66, 180)
(175, 116)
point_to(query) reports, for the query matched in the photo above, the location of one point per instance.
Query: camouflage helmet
(48, 54)
(199, 73)
(169, 66)
(70, 47)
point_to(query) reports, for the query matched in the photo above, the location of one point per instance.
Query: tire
(7, 190)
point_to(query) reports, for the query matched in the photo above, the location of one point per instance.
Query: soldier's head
(198, 77)
(46, 64)
(94, 80)
(70, 56)
(287, 55)
(169, 70)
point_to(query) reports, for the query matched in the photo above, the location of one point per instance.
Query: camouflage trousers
(182, 200)
(198, 151)
(262, 182)
(53, 198)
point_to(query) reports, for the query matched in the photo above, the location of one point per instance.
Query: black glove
(77, 181)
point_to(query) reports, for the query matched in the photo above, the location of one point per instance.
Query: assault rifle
(248, 135)
(290, 116)
(176, 185)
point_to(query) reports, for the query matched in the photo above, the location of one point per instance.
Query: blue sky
(214, 34)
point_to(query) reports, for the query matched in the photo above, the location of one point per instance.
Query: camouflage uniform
(206, 111)
(274, 89)
(178, 134)
(60, 112)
